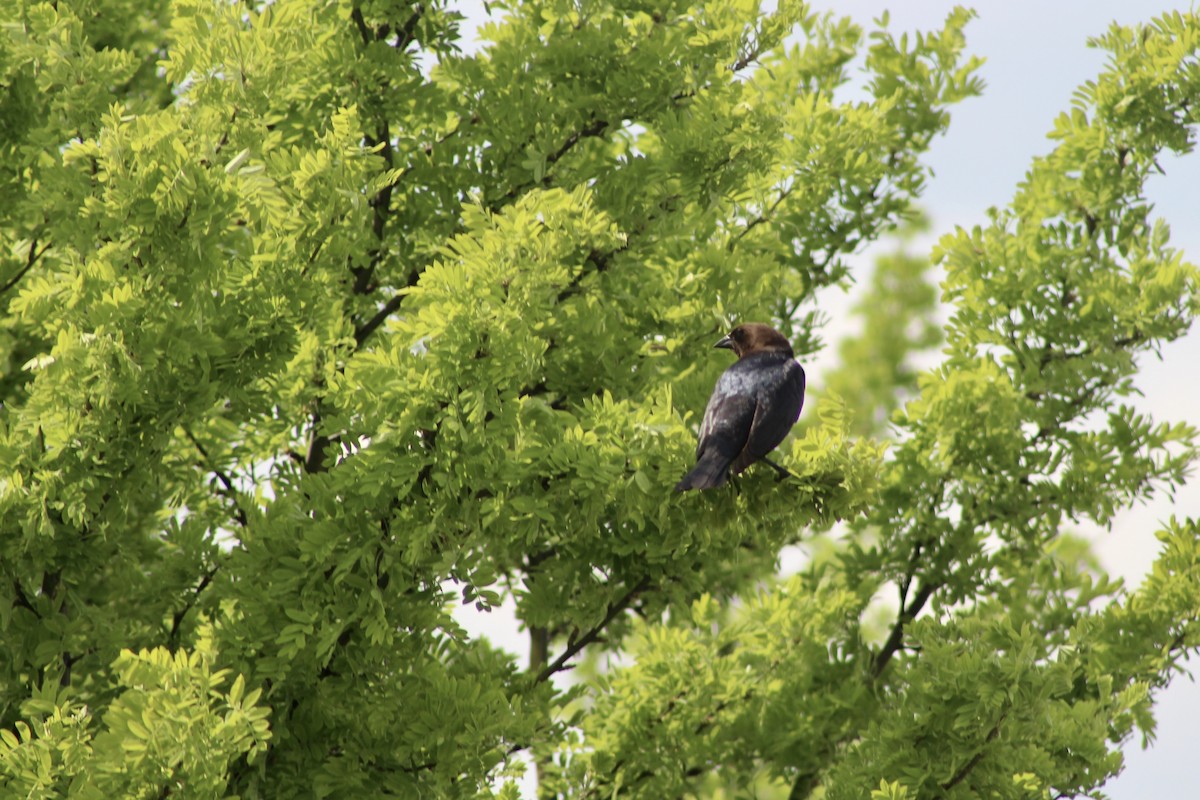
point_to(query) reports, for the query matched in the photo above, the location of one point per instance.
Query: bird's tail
(708, 473)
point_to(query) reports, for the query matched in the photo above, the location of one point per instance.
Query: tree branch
(367, 328)
(228, 491)
(30, 261)
(594, 128)
(21, 599)
(314, 457)
(405, 36)
(381, 207)
(761, 218)
(600, 261)
(895, 638)
(575, 644)
(408, 32)
(966, 768)
(364, 31)
(177, 617)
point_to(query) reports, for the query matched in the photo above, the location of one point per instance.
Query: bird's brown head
(755, 337)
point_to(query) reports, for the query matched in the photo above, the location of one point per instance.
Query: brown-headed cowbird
(754, 405)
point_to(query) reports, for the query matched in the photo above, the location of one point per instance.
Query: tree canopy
(315, 328)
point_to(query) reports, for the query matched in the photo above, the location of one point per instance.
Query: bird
(753, 406)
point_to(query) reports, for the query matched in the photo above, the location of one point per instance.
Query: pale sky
(1037, 55)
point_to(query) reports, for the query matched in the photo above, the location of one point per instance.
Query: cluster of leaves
(169, 721)
(315, 327)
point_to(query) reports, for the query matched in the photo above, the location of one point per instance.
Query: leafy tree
(315, 329)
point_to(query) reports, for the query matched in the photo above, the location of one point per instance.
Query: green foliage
(169, 726)
(316, 329)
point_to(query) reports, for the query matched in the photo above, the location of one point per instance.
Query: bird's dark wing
(723, 433)
(778, 401)
(727, 418)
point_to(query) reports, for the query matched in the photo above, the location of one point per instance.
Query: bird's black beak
(725, 343)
